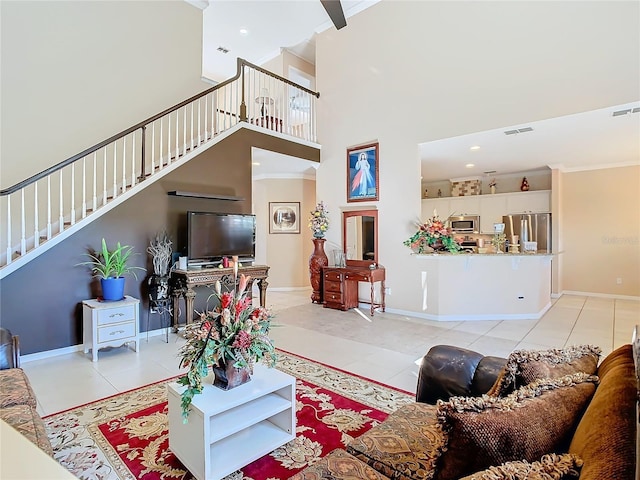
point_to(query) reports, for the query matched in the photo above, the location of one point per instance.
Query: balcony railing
(44, 205)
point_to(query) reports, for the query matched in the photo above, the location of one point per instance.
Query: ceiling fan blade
(334, 10)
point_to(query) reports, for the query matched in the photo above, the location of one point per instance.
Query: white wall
(403, 73)
(75, 73)
(286, 254)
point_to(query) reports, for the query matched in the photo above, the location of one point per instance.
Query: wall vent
(626, 111)
(518, 130)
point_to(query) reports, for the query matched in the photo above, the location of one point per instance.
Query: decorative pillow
(536, 419)
(338, 465)
(525, 366)
(406, 446)
(549, 467)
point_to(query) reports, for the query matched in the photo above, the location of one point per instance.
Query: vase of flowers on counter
(433, 235)
(229, 339)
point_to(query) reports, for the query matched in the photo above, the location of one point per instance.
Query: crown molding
(601, 166)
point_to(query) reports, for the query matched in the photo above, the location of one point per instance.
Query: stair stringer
(129, 193)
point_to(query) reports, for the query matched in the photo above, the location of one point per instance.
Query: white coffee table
(230, 429)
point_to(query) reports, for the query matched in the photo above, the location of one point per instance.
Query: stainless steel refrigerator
(530, 227)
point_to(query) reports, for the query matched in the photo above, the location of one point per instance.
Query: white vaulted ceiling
(586, 140)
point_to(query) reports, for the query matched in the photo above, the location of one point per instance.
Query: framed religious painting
(362, 173)
(284, 217)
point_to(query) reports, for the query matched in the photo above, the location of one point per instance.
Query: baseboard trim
(473, 318)
(601, 295)
(287, 289)
(32, 357)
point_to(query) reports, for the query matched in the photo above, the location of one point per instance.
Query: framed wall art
(284, 217)
(362, 173)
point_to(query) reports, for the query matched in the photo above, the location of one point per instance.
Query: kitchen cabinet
(431, 204)
(538, 201)
(492, 208)
(467, 205)
(448, 206)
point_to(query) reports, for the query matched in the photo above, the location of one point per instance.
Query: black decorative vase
(227, 376)
(158, 288)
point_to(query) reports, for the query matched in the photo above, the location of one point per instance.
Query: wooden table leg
(382, 289)
(372, 282)
(263, 284)
(177, 293)
(189, 297)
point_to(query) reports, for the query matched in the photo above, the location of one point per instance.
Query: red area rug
(126, 436)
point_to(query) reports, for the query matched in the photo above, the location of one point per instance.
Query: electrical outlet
(619, 281)
(387, 290)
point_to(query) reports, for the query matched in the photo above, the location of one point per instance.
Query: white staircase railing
(42, 207)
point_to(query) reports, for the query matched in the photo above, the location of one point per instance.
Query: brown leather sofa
(17, 400)
(600, 444)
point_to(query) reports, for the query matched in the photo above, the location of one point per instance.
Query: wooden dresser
(337, 292)
(340, 286)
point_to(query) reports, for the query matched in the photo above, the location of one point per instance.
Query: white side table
(110, 324)
(228, 429)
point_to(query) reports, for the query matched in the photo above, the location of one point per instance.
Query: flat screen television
(211, 236)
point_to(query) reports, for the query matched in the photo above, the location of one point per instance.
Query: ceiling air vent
(223, 50)
(518, 130)
(621, 112)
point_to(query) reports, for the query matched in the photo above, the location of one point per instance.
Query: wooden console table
(340, 286)
(183, 282)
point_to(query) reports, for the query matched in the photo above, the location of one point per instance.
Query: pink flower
(244, 280)
(242, 341)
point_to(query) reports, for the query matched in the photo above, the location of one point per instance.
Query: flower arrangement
(431, 233)
(319, 221)
(234, 331)
(493, 182)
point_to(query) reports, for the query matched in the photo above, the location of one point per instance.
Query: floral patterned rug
(126, 436)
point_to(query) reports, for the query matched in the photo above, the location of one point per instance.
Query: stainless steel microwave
(465, 224)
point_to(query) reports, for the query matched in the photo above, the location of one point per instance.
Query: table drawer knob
(116, 332)
(116, 315)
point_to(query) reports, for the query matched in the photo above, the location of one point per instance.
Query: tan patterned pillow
(525, 366)
(549, 467)
(536, 419)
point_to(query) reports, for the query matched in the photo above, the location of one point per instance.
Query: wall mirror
(360, 237)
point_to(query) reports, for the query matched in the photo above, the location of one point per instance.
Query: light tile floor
(383, 348)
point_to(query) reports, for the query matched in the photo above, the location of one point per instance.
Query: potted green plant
(110, 266)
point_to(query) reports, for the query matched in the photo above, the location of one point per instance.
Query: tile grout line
(575, 322)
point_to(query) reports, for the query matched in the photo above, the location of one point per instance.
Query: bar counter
(491, 286)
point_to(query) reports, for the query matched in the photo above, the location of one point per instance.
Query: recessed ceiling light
(469, 165)
(244, 32)
(475, 147)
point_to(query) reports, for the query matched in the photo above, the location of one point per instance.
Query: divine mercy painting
(362, 173)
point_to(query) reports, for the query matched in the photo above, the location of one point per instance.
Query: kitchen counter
(487, 286)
